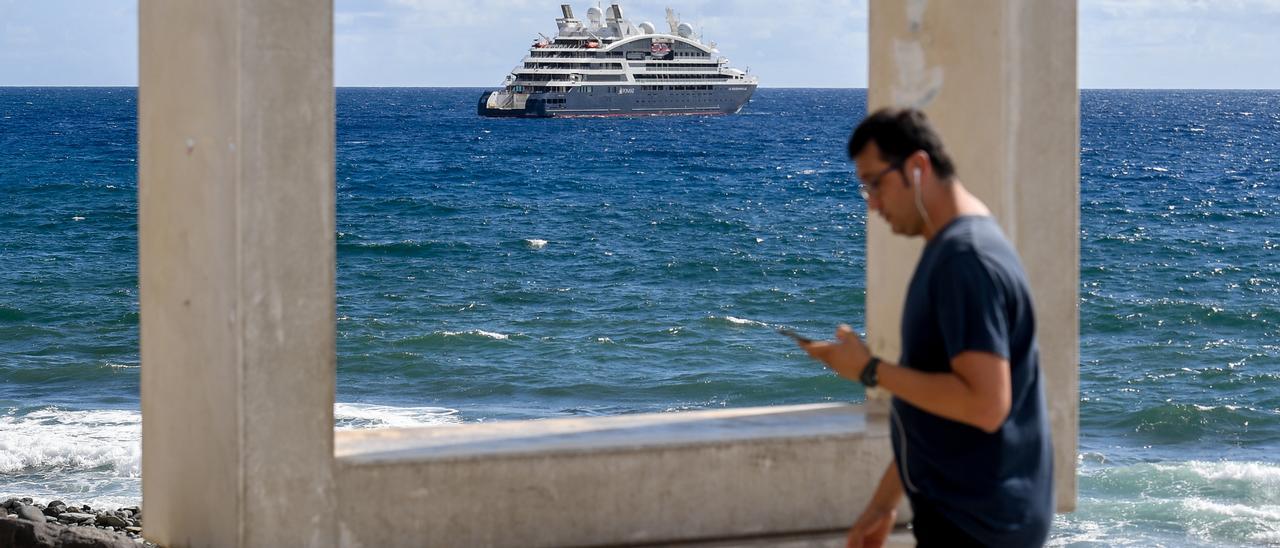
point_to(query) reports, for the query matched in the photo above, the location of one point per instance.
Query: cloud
(1179, 43)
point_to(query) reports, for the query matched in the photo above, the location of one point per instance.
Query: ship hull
(617, 100)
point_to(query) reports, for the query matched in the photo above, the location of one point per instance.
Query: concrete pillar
(236, 259)
(998, 78)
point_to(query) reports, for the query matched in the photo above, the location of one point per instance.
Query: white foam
(1264, 513)
(535, 243)
(110, 441)
(353, 416)
(1256, 473)
(741, 321)
(56, 438)
(477, 332)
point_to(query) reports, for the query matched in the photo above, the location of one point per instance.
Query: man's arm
(889, 492)
(877, 520)
(978, 391)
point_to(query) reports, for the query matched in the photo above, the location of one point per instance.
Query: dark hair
(898, 133)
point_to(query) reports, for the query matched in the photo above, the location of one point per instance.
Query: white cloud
(1179, 43)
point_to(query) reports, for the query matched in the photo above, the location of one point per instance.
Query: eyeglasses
(872, 187)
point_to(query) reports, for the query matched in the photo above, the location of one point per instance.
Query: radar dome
(595, 14)
(647, 27)
(685, 30)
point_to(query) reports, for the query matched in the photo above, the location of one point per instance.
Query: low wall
(626, 480)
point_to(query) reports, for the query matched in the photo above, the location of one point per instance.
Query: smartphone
(798, 337)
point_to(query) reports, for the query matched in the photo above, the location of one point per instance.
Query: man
(969, 426)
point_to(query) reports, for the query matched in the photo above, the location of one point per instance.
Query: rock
(134, 530)
(18, 533)
(11, 503)
(24, 534)
(27, 500)
(54, 509)
(111, 520)
(31, 513)
(76, 517)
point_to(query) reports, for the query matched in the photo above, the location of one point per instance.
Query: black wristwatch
(870, 377)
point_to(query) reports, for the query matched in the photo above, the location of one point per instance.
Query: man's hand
(872, 528)
(847, 355)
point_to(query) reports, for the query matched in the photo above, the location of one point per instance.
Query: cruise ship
(608, 66)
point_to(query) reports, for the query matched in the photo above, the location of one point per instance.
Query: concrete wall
(654, 478)
(236, 255)
(998, 79)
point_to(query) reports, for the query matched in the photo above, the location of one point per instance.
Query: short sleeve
(971, 310)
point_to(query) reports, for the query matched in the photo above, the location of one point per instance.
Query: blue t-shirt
(969, 292)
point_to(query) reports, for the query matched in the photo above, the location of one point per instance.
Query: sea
(499, 269)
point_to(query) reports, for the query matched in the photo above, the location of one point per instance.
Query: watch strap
(870, 373)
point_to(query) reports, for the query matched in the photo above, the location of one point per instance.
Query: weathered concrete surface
(998, 78)
(632, 479)
(236, 257)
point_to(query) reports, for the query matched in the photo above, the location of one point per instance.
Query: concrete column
(998, 78)
(236, 259)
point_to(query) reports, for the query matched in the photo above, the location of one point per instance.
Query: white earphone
(915, 172)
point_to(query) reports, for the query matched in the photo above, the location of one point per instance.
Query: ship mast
(672, 20)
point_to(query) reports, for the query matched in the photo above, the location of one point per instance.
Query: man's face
(888, 191)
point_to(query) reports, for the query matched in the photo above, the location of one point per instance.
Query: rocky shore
(23, 523)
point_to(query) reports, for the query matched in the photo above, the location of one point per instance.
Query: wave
(1190, 422)
(355, 416)
(477, 333)
(406, 248)
(57, 441)
(53, 438)
(11, 314)
(740, 321)
(1198, 503)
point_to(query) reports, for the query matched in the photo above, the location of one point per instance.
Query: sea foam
(742, 321)
(353, 416)
(58, 441)
(477, 333)
(56, 438)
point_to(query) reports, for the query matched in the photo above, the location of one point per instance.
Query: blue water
(517, 269)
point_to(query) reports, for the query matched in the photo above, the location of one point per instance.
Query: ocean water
(523, 269)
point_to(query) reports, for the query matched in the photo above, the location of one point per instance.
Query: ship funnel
(567, 10)
(615, 12)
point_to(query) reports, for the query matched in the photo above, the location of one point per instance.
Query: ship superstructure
(607, 66)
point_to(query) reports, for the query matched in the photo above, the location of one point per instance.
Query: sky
(1218, 44)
